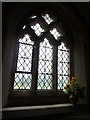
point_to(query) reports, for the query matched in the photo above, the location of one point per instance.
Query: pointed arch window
(50, 68)
(23, 73)
(63, 66)
(45, 65)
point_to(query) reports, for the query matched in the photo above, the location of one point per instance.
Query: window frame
(25, 72)
(35, 59)
(33, 91)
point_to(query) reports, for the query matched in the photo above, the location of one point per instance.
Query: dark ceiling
(81, 7)
(8, 8)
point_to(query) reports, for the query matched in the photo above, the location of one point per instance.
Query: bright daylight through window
(23, 76)
(45, 66)
(48, 55)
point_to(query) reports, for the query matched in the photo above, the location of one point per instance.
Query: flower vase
(73, 99)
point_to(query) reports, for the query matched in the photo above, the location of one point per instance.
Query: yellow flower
(69, 82)
(73, 79)
(67, 86)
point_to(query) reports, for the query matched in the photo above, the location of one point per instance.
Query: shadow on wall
(14, 16)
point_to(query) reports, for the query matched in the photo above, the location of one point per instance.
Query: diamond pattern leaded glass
(45, 66)
(47, 18)
(24, 63)
(63, 66)
(22, 81)
(26, 39)
(55, 33)
(37, 28)
(23, 74)
(24, 58)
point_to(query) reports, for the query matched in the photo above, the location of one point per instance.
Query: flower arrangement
(74, 89)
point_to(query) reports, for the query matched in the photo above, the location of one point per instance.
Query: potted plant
(74, 90)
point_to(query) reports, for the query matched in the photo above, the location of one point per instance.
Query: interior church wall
(77, 27)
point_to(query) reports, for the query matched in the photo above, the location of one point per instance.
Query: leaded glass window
(47, 18)
(63, 66)
(34, 16)
(55, 33)
(38, 29)
(52, 61)
(45, 65)
(23, 76)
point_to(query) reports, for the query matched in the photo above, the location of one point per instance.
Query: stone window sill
(44, 110)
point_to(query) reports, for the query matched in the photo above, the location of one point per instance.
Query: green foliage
(74, 88)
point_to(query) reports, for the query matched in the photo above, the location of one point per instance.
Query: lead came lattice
(63, 66)
(23, 76)
(45, 66)
(47, 18)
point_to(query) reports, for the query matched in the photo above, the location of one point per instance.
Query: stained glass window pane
(26, 39)
(25, 51)
(22, 81)
(45, 66)
(34, 16)
(24, 58)
(55, 33)
(63, 66)
(24, 27)
(24, 63)
(47, 18)
(44, 81)
(38, 29)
